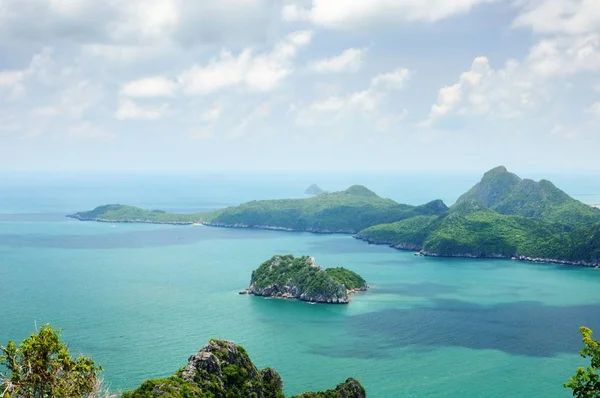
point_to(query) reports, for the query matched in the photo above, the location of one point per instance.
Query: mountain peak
(495, 186)
(359, 190)
(497, 169)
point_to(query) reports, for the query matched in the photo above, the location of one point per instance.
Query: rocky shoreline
(419, 249)
(275, 228)
(134, 221)
(398, 246)
(286, 294)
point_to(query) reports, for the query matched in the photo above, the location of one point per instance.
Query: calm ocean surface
(140, 299)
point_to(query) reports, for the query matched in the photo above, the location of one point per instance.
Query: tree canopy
(586, 382)
(41, 366)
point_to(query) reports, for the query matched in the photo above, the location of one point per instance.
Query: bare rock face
(222, 369)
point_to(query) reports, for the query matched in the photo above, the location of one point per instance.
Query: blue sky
(300, 85)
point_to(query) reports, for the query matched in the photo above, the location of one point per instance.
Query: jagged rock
(222, 369)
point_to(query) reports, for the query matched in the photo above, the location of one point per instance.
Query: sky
(252, 85)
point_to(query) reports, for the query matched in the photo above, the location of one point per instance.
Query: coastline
(397, 246)
(419, 249)
(288, 296)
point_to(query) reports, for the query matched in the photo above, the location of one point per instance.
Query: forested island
(302, 279)
(502, 216)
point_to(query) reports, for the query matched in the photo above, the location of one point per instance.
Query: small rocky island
(302, 279)
(314, 189)
(223, 369)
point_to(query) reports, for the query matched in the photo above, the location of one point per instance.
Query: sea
(140, 299)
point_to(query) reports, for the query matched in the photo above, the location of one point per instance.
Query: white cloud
(211, 115)
(88, 130)
(260, 112)
(565, 55)
(594, 109)
(135, 22)
(394, 79)
(350, 14)
(119, 53)
(262, 72)
(349, 60)
(15, 80)
(130, 110)
(333, 108)
(571, 17)
(502, 93)
(329, 104)
(155, 86)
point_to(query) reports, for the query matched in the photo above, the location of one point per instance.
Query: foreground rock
(302, 279)
(222, 369)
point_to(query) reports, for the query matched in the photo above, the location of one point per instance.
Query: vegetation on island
(586, 381)
(301, 278)
(506, 193)
(502, 216)
(42, 367)
(121, 213)
(347, 211)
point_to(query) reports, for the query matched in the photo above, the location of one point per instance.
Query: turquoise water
(141, 298)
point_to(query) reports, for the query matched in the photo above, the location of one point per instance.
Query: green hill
(302, 279)
(132, 214)
(347, 211)
(506, 193)
(502, 216)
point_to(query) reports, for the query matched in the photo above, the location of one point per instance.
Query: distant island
(346, 212)
(314, 189)
(223, 369)
(502, 216)
(302, 279)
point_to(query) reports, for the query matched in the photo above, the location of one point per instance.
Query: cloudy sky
(299, 84)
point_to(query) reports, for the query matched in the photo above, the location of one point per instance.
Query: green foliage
(305, 278)
(300, 272)
(351, 388)
(224, 370)
(171, 387)
(586, 382)
(121, 213)
(350, 279)
(411, 233)
(506, 193)
(345, 212)
(502, 216)
(348, 211)
(41, 367)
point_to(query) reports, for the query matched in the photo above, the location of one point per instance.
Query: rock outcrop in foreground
(222, 369)
(302, 279)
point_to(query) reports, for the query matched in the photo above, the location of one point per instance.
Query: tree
(586, 382)
(41, 367)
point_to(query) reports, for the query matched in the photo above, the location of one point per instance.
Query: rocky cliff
(222, 369)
